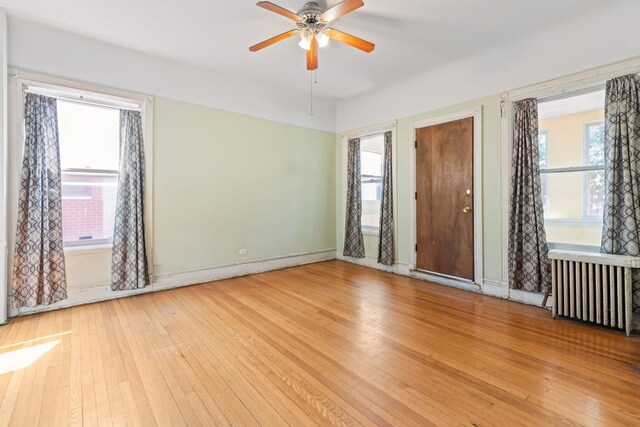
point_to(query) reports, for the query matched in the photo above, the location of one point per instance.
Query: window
(571, 145)
(89, 137)
(371, 162)
(89, 157)
(543, 139)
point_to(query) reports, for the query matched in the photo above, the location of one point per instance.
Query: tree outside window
(594, 192)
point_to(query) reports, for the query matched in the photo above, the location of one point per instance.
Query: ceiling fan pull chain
(311, 93)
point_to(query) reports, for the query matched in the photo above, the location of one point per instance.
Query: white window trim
(583, 81)
(19, 80)
(359, 133)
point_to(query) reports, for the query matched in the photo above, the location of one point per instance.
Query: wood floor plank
(179, 328)
(330, 343)
(484, 365)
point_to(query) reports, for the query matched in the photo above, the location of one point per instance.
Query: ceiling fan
(312, 27)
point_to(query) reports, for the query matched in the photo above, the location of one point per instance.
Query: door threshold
(443, 279)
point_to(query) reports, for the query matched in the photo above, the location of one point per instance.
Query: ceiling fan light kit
(312, 28)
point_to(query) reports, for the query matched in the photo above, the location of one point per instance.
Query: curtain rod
(366, 135)
(80, 99)
(571, 93)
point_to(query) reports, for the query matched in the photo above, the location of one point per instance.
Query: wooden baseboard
(492, 288)
(180, 279)
(175, 280)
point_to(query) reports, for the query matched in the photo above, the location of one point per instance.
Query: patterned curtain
(129, 268)
(385, 240)
(529, 266)
(353, 240)
(38, 268)
(621, 225)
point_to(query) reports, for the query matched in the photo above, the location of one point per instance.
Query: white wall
(587, 42)
(40, 48)
(3, 164)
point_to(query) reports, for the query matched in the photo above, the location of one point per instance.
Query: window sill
(573, 247)
(86, 250)
(370, 231)
(574, 223)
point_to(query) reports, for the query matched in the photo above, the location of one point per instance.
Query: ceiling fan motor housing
(310, 14)
(310, 9)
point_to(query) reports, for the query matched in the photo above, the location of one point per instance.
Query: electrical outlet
(243, 252)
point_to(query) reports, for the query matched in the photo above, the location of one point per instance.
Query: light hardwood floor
(324, 344)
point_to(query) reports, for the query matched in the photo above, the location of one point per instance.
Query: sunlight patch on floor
(24, 357)
(21, 343)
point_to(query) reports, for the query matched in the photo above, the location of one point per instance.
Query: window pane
(370, 213)
(571, 130)
(88, 206)
(371, 190)
(595, 193)
(567, 216)
(89, 156)
(370, 163)
(542, 149)
(371, 158)
(571, 134)
(89, 136)
(595, 143)
(544, 181)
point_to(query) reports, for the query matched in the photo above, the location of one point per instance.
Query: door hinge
(416, 195)
(416, 247)
(416, 144)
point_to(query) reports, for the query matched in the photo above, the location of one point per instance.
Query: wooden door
(444, 199)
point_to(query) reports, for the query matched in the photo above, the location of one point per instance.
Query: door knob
(467, 209)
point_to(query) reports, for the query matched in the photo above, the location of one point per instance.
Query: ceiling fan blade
(273, 40)
(279, 10)
(341, 9)
(312, 56)
(354, 41)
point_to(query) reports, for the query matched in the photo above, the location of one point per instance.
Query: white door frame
(476, 113)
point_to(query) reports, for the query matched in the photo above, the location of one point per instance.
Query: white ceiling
(411, 36)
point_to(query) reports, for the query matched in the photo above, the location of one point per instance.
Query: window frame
(361, 133)
(370, 229)
(589, 80)
(373, 179)
(21, 82)
(98, 103)
(586, 221)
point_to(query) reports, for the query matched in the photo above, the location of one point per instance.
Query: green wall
(491, 185)
(226, 181)
(223, 182)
